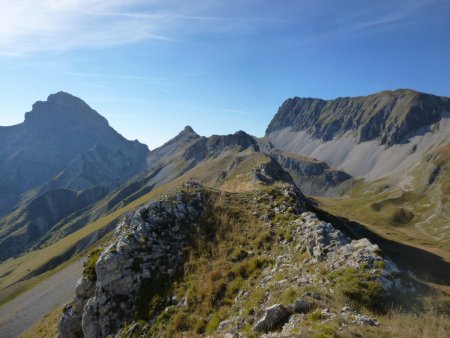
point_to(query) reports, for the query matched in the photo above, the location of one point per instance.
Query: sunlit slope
(416, 211)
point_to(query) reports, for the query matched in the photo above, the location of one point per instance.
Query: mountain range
(67, 177)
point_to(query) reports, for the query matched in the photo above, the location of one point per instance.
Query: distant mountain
(391, 117)
(395, 143)
(62, 158)
(62, 143)
(368, 136)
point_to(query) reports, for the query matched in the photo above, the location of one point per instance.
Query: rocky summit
(280, 278)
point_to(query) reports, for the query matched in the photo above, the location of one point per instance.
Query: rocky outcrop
(275, 316)
(147, 247)
(70, 323)
(324, 242)
(312, 176)
(271, 172)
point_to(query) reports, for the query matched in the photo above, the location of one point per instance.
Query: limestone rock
(275, 316)
(302, 306)
(147, 245)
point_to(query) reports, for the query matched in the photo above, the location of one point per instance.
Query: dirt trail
(22, 312)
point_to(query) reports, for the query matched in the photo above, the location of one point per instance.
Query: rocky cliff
(390, 117)
(386, 141)
(380, 135)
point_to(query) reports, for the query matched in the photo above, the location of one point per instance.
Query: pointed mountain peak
(188, 130)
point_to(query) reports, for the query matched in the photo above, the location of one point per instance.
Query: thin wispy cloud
(384, 17)
(30, 26)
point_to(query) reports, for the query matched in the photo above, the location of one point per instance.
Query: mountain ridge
(389, 116)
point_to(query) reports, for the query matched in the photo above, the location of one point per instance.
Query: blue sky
(152, 67)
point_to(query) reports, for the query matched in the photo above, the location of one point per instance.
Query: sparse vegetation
(89, 266)
(359, 286)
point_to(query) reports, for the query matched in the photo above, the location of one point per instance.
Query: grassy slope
(418, 211)
(415, 215)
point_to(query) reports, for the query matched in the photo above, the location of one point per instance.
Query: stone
(69, 325)
(365, 320)
(84, 288)
(276, 316)
(302, 306)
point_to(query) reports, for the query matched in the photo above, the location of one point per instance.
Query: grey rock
(302, 306)
(84, 288)
(69, 326)
(275, 316)
(365, 320)
(103, 307)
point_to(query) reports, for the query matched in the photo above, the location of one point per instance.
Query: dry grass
(425, 325)
(218, 266)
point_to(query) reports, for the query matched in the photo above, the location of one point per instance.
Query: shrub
(360, 287)
(238, 255)
(89, 265)
(151, 298)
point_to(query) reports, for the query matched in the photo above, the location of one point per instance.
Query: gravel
(22, 312)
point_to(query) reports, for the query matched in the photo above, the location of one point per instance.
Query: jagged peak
(188, 130)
